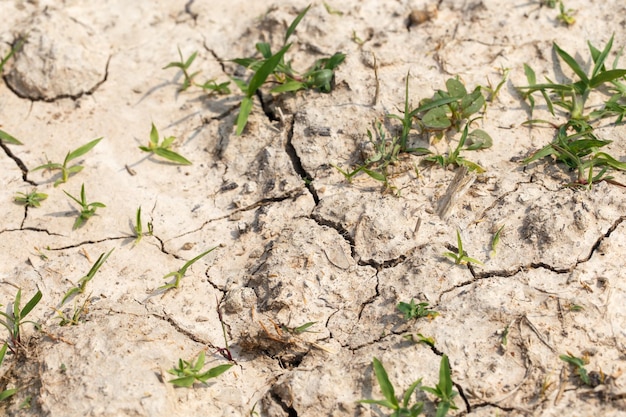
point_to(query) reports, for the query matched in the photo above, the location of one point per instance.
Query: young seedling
(495, 241)
(420, 338)
(416, 311)
(225, 351)
(443, 390)
(14, 49)
(188, 78)
(13, 319)
(65, 170)
(390, 401)
(566, 16)
(77, 316)
(32, 199)
(138, 228)
(7, 392)
(178, 275)
(300, 329)
(460, 257)
(88, 210)
(6, 138)
(82, 283)
(318, 76)
(573, 96)
(579, 364)
(188, 373)
(163, 149)
(477, 139)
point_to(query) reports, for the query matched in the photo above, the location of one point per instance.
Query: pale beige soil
(341, 255)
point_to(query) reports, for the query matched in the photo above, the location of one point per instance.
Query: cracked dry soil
(341, 255)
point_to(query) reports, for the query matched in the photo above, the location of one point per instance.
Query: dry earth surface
(293, 251)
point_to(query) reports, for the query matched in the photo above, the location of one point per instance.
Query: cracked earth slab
(295, 242)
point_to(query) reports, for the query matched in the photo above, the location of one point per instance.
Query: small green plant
(495, 241)
(449, 108)
(65, 170)
(319, 76)
(476, 140)
(460, 257)
(7, 392)
(32, 199)
(138, 227)
(14, 49)
(566, 16)
(6, 138)
(579, 365)
(188, 373)
(416, 311)
(188, 78)
(13, 319)
(573, 96)
(299, 329)
(82, 283)
(494, 91)
(443, 390)
(88, 210)
(178, 275)
(420, 338)
(163, 149)
(390, 401)
(77, 315)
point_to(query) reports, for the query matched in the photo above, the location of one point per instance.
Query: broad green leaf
(436, 118)
(167, 142)
(82, 150)
(445, 380)
(75, 169)
(5, 137)
(189, 60)
(172, 156)
(7, 393)
(530, 75)
(294, 24)
(456, 88)
(472, 103)
(200, 362)
(572, 63)
(385, 384)
(442, 409)
(478, 139)
(431, 104)
(244, 112)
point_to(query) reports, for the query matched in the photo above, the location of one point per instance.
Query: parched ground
(296, 243)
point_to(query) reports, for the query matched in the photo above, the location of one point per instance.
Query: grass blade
(265, 70)
(572, 63)
(295, 23)
(244, 111)
(385, 384)
(31, 304)
(5, 137)
(82, 150)
(172, 156)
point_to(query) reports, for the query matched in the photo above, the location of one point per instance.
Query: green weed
(460, 257)
(579, 365)
(304, 328)
(6, 138)
(319, 76)
(178, 275)
(82, 283)
(476, 140)
(88, 210)
(390, 401)
(163, 149)
(210, 86)
(7, 392)
(77, 315)
(188, 373)
(495, 241)
(13, 319)
(138, 227)
(443, 390)
(566, 16)
(65, 170)
(416, 311)
(420, 338)
(32, 199)
(14, 49)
